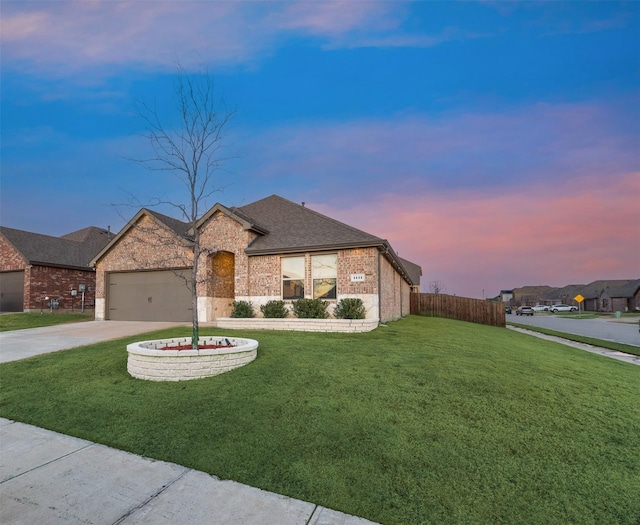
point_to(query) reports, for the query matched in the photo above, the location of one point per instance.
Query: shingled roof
(291, 228)
(414, 270)
(624, 289)
(74, 250)
(594, 289)
(285, 227)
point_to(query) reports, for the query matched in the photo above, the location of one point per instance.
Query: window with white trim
(324, 270)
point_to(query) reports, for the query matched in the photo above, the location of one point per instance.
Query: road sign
(578, 298)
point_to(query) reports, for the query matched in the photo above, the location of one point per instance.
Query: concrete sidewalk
(46, 477)
(613, 354)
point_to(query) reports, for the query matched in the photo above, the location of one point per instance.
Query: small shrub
(310, 308)
(242, 309)
(350, 308)
(274, 310)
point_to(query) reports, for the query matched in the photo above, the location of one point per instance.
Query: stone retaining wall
(300, 325)
(147, 361)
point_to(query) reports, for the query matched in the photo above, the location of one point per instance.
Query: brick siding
(11, 258)
(48, 281)
(147, 245)
(256, 278)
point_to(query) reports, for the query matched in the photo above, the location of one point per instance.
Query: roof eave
(60, 265)
(311, 248)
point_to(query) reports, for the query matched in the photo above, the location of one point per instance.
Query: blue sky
(496, 144)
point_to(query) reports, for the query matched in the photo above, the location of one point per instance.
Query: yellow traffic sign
(578, 298)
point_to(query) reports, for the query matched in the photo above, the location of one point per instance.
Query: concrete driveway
(20, 344)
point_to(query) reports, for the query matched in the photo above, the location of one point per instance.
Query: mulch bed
(200, 347)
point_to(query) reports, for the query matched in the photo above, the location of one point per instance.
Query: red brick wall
(11, 259)
(48, 281)
(57, 283)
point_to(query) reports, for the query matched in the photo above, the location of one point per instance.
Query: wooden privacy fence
(459, 308)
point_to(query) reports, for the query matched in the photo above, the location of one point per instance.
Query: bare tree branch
(192, 151)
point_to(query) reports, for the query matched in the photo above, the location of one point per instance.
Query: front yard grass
(425, 421)
(20, 321)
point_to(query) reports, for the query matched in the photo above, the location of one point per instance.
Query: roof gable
(234, 213)
(176, 227)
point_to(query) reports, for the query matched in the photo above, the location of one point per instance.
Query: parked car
(507, 309)
(524, 310)
(563, 308)
(541, 308)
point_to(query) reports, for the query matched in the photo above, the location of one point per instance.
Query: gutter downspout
(379, 287)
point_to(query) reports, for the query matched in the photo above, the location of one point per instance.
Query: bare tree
(437, 287)
(192, 151)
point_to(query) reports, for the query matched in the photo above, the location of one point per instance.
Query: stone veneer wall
(146, 361)
(300, 325)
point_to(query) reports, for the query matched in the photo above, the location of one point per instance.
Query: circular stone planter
(147, 360)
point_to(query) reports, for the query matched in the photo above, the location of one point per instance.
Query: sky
(495, 144)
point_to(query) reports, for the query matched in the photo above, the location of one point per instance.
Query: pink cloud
(576, 231)
(63, 37)
(540, 141)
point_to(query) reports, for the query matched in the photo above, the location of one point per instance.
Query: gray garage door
(11, 291)
(148, 296)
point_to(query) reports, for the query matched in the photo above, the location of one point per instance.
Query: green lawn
(20, 321)
(425, 421)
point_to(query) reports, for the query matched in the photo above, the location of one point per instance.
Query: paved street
(624, 330)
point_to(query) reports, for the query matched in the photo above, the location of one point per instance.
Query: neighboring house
(39, 272)
(506, 296)
(271, 249)
(530, 295)
(623, 298)
(621, 295)
(564, 295)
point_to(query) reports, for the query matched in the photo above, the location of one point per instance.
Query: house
(621, 295)
(40, 271)
(506, 296)
(564, 295)
(271, 249)
(530, 295)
